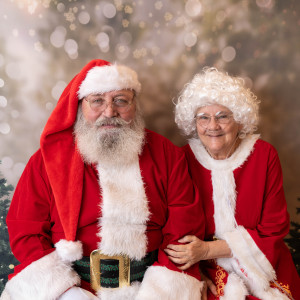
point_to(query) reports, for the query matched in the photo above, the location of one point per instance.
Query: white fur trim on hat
(69, 251)
(104, 79)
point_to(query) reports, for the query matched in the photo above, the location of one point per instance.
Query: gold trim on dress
(283, 288)
(220, 284)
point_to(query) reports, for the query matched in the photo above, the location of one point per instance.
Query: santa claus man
(101, 199)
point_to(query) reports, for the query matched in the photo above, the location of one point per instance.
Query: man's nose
(110, 111)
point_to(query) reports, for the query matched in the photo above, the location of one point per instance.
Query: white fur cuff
(160, 283)
(249, 258)
(46, 278)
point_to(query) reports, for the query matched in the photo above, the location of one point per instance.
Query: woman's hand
(195, 250)
(208, 284)
(186, 255)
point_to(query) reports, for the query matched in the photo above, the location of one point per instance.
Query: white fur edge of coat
(46, 278)
(124, 293)
(160, 283)
(234, 287)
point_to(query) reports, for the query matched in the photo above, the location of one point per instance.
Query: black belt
(110, 268)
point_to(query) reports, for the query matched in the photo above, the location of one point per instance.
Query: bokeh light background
(44, 43)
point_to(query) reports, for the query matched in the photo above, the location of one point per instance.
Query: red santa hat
(63, 163)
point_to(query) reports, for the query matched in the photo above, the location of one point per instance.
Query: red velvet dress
(253, 175)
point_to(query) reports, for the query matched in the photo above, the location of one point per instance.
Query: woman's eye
(223, 117)
(203, 117)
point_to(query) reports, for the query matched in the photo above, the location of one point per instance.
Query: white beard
(120, 145)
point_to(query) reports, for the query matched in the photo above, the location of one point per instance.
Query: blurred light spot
(150, 62)
(228, 54)
(122, 51)
(11, 266)
(102, 39)
(15, 114)
(168, 16)
(57, 38)
(49, 105)
(264, 3)
(15, 32)
(190, 39)
(7, 162)
(84, 17)
(1, 83)
(61, 7)
(73, 55)
(138, 53)
(125, 23)
(109, 10)
(142, 25)
(71, 47)
(158, 5)
(3, 101)
(125, 37)
(38, 47)
(58, 89)
(1, 60)
(193, 8)
(72, 27)
(4, 128)
(13, 71)
(70, 17)
(221, 15)
(128, 9)
(31, 32)
(18, 169)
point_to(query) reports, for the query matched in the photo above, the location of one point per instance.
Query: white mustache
(104, 121)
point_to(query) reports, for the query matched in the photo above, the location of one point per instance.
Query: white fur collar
(231, 163)
(224, 192)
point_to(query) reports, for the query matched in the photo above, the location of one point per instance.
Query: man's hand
(186, 255)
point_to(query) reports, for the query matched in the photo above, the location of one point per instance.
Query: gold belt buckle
(124, 269)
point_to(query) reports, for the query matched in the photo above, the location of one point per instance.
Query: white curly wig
(214, 87)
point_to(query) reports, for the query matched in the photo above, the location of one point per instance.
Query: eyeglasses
(220, 117)
(120, 103)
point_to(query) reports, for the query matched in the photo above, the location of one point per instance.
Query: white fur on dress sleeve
(251, 264)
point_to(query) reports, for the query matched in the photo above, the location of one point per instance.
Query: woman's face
(217, 130)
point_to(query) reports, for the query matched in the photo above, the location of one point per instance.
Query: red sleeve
(274, 222)
(28, 219)
(185, 215)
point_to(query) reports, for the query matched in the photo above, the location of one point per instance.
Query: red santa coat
(59, 213)
(34, 223)
(248, 187)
